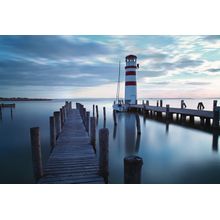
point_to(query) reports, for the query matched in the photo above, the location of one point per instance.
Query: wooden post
(93, 110)
(214, 104)
(132, 169)
(157, 103)
(114, 117)
(97, 111)
(57, 123)
(36, 152)
(147, 102)
(138, 124)
(191, 118)
(104, 113)
(161, 103)
(87, 121)
(181, 104)
(52, 132)
(216, 117)
(167, 112)
(93, 131)
(61, 118)
(103, 152)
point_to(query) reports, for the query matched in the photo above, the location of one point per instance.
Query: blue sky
(87, 66)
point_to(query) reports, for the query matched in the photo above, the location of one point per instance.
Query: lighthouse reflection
(132, 140)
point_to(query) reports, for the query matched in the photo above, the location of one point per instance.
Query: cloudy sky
(87, 66)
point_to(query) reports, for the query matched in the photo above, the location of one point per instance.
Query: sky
(87, 66)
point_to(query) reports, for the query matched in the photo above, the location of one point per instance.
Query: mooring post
(161, 103)
(52, 132)
(97, 111)
(214, 104)
(93, 110)
(104, 113)
(132, 169)
(138, 124)
(147, 102)
(167, 112)
(87, 121)
(157, 103)
(114, 117)
(181, 104)
(93, 131)
(57, 123)
(61, 118)
(36, 152)
(103, 152)
(216, 117)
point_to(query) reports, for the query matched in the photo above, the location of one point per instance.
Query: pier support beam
(216, 117)
(36, 152)
(138, 124)
(97, 111)
(191, 119)
(161, 103)
(168, 115)
(132, 169)
(114, 117)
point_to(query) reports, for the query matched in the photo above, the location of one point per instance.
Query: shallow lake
(171, 153)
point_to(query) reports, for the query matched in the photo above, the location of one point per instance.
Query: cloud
(197, 83)
(214, 70)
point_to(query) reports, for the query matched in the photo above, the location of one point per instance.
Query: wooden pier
(206, 117)
(72, 159)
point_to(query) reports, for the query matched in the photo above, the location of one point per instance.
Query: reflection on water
(172, 152)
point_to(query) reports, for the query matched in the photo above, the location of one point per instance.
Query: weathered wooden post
(70, 105)
(93, 110)
(52, 132)
(132, 169)
(57, 123)
(36, 152)
(114, 117)
(214, 104)
(138, 124)
(181, 104)
(87, 121)
(103, 153)
(61, 118)
(161, 103)
(216, 117)
(147, 102)
(11, 113)
(157, 103)
(93, 131)
(97, 111)
(104, 113)
(167, 112)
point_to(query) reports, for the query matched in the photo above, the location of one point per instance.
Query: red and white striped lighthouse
(130, 79)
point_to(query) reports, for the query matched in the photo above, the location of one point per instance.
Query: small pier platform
(3, 105)
(73, 159)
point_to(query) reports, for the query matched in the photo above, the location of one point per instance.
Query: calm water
(171, 153)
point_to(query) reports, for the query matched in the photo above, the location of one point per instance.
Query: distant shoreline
(24, 99)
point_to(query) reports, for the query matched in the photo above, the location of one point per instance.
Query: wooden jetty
(3, 105)
(206, 117)
(72, 159)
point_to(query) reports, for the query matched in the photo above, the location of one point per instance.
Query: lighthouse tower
(130, 79)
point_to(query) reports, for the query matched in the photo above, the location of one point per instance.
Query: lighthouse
(130, 79)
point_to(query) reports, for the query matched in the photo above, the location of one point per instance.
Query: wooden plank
(73, 159)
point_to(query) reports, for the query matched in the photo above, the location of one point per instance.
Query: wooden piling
(36, 152)
(114, 117)
(52, 132)
(57, 123)
(216, 117)
(214, 104)
(97, 111)
(168, 116)
(0, 113)
(138, 124)
(132, 169)
(103, 152)
(87, 121)
(161, 103)
(93, 131)
(61, 117)
(104, 113)
(93, 110)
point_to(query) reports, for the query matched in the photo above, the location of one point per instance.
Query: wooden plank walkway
(73, 159)
(184, 111)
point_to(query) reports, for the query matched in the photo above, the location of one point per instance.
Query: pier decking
(73, 159)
